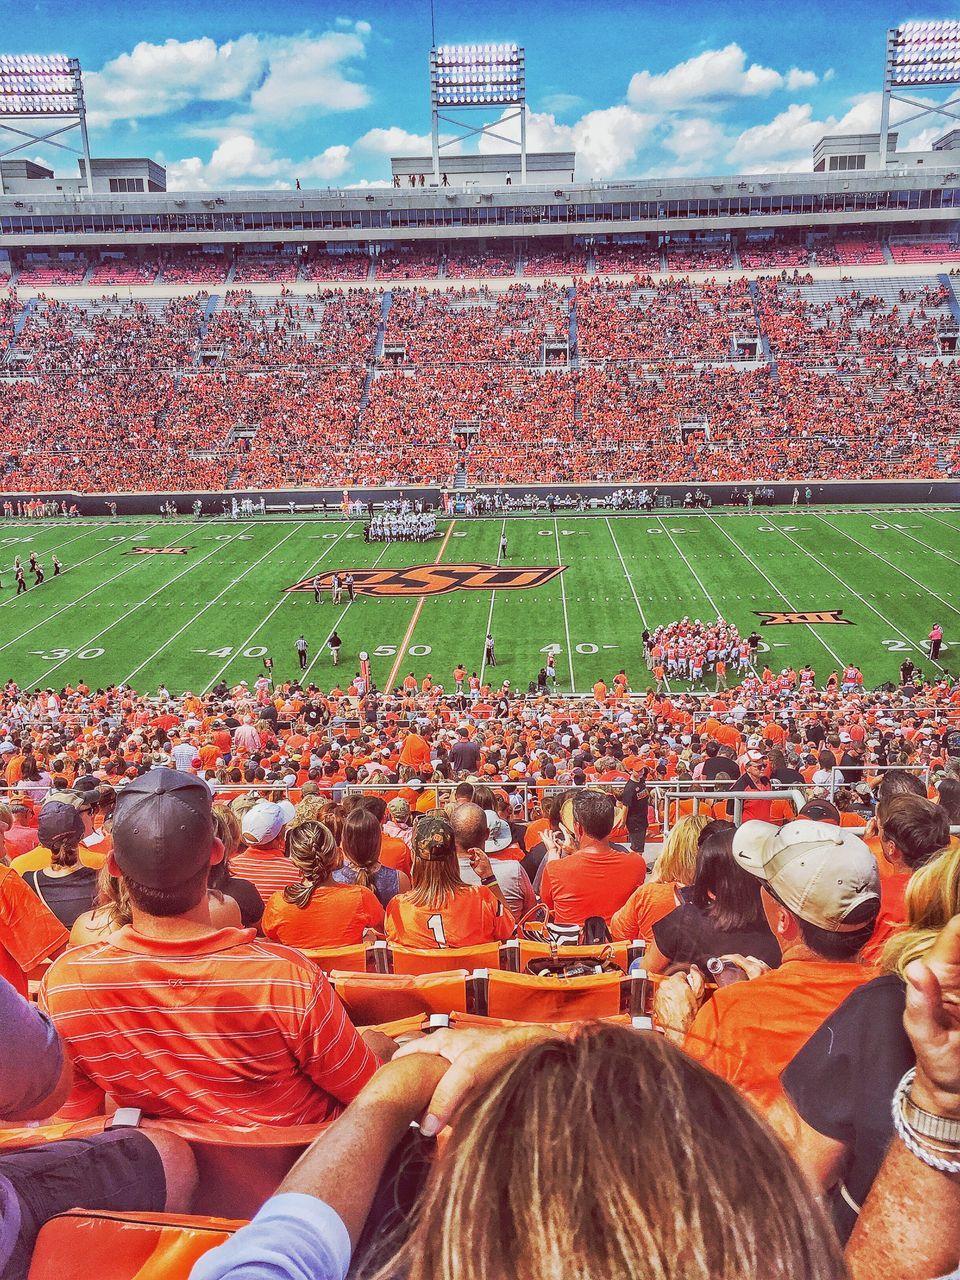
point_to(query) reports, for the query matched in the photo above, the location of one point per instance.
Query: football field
(189, 603)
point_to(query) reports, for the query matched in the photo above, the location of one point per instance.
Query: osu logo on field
(436, 579)
(812, 618)
(158, 551)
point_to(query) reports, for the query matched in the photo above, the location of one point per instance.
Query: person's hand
(932, 1021)
(872, 829)
(750, 965)
(677, 1002)
(380, 1045)
(475, 1058)
(480, 863)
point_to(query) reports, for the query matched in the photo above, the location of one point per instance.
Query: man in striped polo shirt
(180, 1019)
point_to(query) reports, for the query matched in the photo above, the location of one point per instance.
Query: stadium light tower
(41, 98)
(473, 77)
(920, 54)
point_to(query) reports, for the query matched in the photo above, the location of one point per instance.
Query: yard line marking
(67, 607)
(946, 523)
(883, 559)
(269, 552)
(836, 657)
(111, 546)
(416, 614)
(386, 548)
(713, 603)
(263, 622)
(844, 583)
(926, 546)
(493, 596)
(636, 598)
(57, 546)
(140, 603)
(566, 621)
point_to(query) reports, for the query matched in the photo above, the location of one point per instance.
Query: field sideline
(211, 611)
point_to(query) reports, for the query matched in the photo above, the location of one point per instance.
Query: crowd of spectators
(792, 935)
(666, 375)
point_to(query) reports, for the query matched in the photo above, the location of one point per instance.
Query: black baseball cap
(820, 811)
(58, 819)
(163, 828)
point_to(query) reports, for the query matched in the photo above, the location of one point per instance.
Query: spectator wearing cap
(83, 801)
(397, 823)
(66, 886)
(180, 1019)
(499, 845)
(821, 894)
(263, 860)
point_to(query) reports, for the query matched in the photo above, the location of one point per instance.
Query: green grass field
(188, 620)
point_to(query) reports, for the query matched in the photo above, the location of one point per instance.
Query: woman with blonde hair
(319, 912)
(658, 1170)
(440, 910)
(840, 1086)
(673, 870)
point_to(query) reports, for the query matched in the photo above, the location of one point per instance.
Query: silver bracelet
(908, 1136)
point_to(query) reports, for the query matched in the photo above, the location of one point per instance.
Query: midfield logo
(158, 551)
(813, 618)
(436, 579)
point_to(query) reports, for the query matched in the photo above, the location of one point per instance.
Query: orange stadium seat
(443, 960)
(359, 959)
(125, 1246)
(518, 953)
(519, 997)
(386, 997)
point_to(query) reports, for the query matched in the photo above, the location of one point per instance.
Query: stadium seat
(445, 959)
(125, 1246)
(386, 997)
(519, 997)
(359, 959)
(516, 954)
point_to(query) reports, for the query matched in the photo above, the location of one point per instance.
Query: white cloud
(695, 137)
(715, 73)
(241, 161)
(267, 77)
(797, 79)
(605, 141)
(394, 142)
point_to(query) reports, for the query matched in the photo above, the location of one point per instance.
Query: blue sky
(234, 94)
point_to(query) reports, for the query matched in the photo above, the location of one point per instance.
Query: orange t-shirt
(470, 916)
(749, 1032)
(892, 915)
(29, 932)
(595, 882)
(642, 910)
(39, 859)
(395, 853)
(335, 916)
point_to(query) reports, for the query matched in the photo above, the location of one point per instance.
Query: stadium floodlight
(477, 77)
(919, 55)
(37, 90)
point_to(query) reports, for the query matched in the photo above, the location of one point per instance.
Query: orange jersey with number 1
(470, 916)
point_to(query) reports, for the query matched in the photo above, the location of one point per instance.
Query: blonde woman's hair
(435, 876)
(313, 851)
(112, 897)
(932, 900)
(657, 1171)
(677, 862)
(227, 829)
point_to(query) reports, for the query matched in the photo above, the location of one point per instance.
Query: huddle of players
(36, 568)
(401, 526)
(686, 649)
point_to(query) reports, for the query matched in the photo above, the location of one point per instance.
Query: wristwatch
(927, 1125)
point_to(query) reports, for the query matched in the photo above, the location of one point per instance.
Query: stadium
(480, 721)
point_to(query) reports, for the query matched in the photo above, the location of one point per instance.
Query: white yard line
(493, 596)
(566, 620)
(790, 605)
(343, 614)
(926, 546)
(636, 598)
(140, 603)
(843, 582)
(263, 621)
(408, 634)
(883, 560)
(111, 546)
(210, 603)
(57, 546)
(713, 603)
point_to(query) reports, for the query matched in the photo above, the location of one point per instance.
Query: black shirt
(719, 769)
(247, 898)
(843, 1080)
(465, 755)
(689, 935)
(68, 897)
